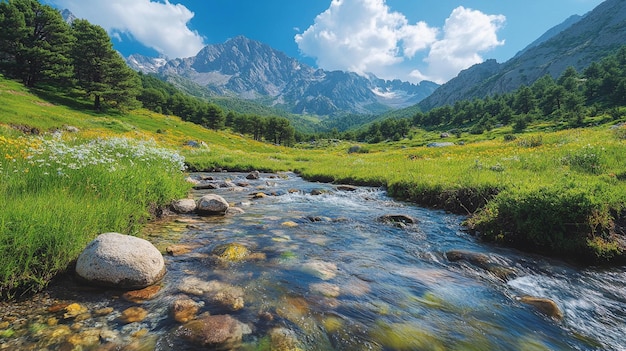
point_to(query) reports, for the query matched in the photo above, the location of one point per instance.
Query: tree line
(39, 48)
(600, 88)
(164, 97)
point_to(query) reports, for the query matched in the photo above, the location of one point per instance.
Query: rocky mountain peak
(249, 69)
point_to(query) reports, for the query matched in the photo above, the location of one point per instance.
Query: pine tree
(35, 42)
(100, 70)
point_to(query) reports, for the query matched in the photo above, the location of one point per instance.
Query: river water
(330, 275)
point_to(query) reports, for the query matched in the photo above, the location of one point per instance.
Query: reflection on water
(323, 272)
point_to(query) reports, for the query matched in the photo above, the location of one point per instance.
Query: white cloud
(367, 36)
(363, 36)
(161, 26)
(467, 33)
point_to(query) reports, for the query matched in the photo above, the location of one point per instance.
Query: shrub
(588, 159)
(533, 141)
(553, 220)
(358, 149)
(509, 137)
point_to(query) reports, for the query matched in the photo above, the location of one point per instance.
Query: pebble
(133, 314)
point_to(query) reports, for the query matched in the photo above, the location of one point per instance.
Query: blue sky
(409, 40)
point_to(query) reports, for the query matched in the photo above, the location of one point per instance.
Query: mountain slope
(248, 69)
(597, 34)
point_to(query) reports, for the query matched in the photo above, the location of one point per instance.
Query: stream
(328, 272)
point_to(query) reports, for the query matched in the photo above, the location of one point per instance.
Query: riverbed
(331, 268)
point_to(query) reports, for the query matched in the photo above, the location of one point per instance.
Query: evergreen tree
(100, 70)
(524, 101)
(215, 117)
(35, 42)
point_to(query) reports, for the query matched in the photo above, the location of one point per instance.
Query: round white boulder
(120, 261)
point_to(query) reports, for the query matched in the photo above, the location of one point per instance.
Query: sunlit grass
(59, 192)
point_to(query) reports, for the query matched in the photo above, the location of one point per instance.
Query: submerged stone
(232, 252)
(142, 295)
(397, 219)
(184, 310)
(321, 269)
(133, 314)
(221, 332)
(544, 305)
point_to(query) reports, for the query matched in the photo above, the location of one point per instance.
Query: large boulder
(120, 261)
(211, 204)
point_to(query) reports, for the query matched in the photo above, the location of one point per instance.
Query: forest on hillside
(565, 101)
(41, 50)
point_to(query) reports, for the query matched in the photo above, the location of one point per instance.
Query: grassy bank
(556, 192)
(560, 193)
(60, 194)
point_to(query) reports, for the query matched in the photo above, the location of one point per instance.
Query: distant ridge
(597, 34)
(248, 69)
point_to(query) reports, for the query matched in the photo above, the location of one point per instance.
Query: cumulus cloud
(363, 36)
(161, 26)
(366, 36)
(467, 33)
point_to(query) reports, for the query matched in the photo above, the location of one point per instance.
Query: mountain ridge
(248, 69)
(596, 34)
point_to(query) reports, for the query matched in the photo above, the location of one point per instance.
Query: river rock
(326, 289)
(474, 258)
(220, 332)
(192, 180)
(184, 206)
(184, 309)
(481, 261)
(180, 249)
(133, 314)
(142, 295)
(233, 211)
(211, 204)
(397, 219)
(205, 186)
(319, 192)
(120, 261)
(544, 305)
(321, 269)
(345, 187)
(231, 252)
(225, 295)
(254, 175)
(283, 339)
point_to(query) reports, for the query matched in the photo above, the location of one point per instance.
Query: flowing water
(325, 273)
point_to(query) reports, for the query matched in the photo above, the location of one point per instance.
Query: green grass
(59, 195)
(558, 192)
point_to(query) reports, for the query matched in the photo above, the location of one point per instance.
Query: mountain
(552, 32)
(68, 16)
(146, 64)
(249, 69)
(597, 34)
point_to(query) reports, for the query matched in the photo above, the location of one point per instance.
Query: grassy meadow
(558, 192)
